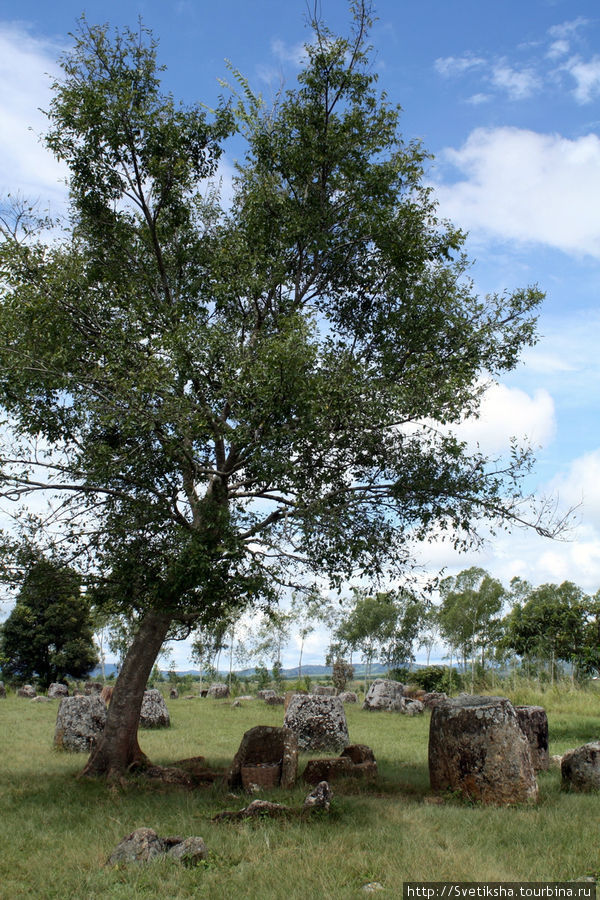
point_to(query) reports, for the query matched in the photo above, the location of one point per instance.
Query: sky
(506, 97)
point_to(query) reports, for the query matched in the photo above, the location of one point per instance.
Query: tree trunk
(118, 748)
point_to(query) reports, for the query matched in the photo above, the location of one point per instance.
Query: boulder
(27, 691)
(218, 690)
(174, 693)
(79, 721)
(144, 845)
(92, 687)
(580, 768)
(323, 690)
(534, 724)
(319, 798)
(385, 694)
(358, 753)
(267, 746)
(433, 699)
(318, 722)
(154, 712)
(348, 697)
(477, 747)
(266, 692)
(412, 707)
(275, 700)
(57, 690)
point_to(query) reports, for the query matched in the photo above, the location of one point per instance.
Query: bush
(437, 678)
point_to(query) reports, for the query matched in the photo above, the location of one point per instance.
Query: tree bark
(117, 749)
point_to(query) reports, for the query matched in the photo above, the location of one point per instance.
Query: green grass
(56, 831)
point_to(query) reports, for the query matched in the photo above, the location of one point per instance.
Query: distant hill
(312, 671)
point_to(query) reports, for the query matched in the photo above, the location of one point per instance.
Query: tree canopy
(49, 634)
(227, 399)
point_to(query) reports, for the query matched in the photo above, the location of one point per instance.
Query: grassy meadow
(56, 831)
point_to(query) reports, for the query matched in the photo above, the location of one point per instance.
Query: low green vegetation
(57, 831)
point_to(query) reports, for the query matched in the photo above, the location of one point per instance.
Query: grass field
(56, 831)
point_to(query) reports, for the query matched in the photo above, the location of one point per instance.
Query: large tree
(49, 634)
(227, 400)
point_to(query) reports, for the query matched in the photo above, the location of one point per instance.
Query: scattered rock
(385, 694)
(236, 704)
(144, 845)
(359, 753)
(412, 707)
(323, 690)
(371, 887)
(318, 798)
(218, 690)
(318, 722)
(246, 697)
(275, 700)
(154, 712)
(79, 721)
(92, 687)
(57, 690)
(173, 694)
(27, 691)
(265, 744)
(40, 699)
(258, 809)
(348, 697)
(534, 725)
(263, 694)
(477, 747)
(580, 768)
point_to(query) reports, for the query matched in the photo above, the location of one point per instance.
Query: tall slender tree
(228, 401)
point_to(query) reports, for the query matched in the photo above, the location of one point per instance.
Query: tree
(469, 613)
(49, 633)
(550, 624)
(224, 402)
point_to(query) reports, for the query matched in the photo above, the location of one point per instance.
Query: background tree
(469, 613)
(49, 633)
(549, 624)
(221, 401)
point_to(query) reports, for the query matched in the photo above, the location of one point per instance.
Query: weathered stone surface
(190, 852)
(580, 768)
(318, 770)
(258, 809)
(266, 692)
(433, 699)
(318, 722)
(154, 712)
(27, 691)
(288, 696)
(57, 690)
(218, 690)
(477, 747)
(41, 699)
(319, 798)
(2, 689)
(266, 744)
(144, 845)
(78, 723)
(384, 694)
(348, 697)
(174, 694)
(358, 753)
(323, 690)
(534, 724)
(141, 845)
(412, 707)
(275, 700)
(92, 687)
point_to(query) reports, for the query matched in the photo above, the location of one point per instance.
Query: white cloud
(508, 413)
(478, 99)
(525, 186)
(457, 65)
(580, 486)
(587, 77)
(27, 66)
(557, 49)
(567, 29)
(518, 83)
(295, 53)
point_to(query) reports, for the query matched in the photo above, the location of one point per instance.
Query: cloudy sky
(507, 98)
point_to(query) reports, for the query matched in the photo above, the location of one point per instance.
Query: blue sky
(507, 98)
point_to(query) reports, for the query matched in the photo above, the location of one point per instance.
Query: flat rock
(27, 691)
(57, 690)
(348, 697)
(140, 846)
(318, 722)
